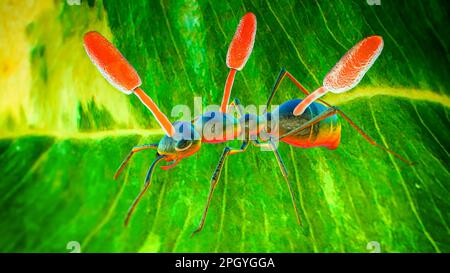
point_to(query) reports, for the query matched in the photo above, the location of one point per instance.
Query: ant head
(185, 142)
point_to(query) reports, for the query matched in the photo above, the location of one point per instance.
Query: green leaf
(65, 131)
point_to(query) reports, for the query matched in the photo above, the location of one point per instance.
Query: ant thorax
(215, 127)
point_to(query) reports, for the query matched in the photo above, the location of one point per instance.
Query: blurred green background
(64, 130)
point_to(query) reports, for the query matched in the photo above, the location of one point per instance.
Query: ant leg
(146, 186)
(297, 83)
(370, 140)
(283, 169)
(283, 73)
(280, 78)
(132, 152)
(215, 179)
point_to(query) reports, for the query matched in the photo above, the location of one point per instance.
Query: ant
(306, 123)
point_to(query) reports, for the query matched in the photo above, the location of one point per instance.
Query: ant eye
(183, 145)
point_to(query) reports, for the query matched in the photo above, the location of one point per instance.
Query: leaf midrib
(334, 99)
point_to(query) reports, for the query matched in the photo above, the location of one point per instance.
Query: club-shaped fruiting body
(352, 67)
(243, 41)
(111, 63)
(348, 71)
